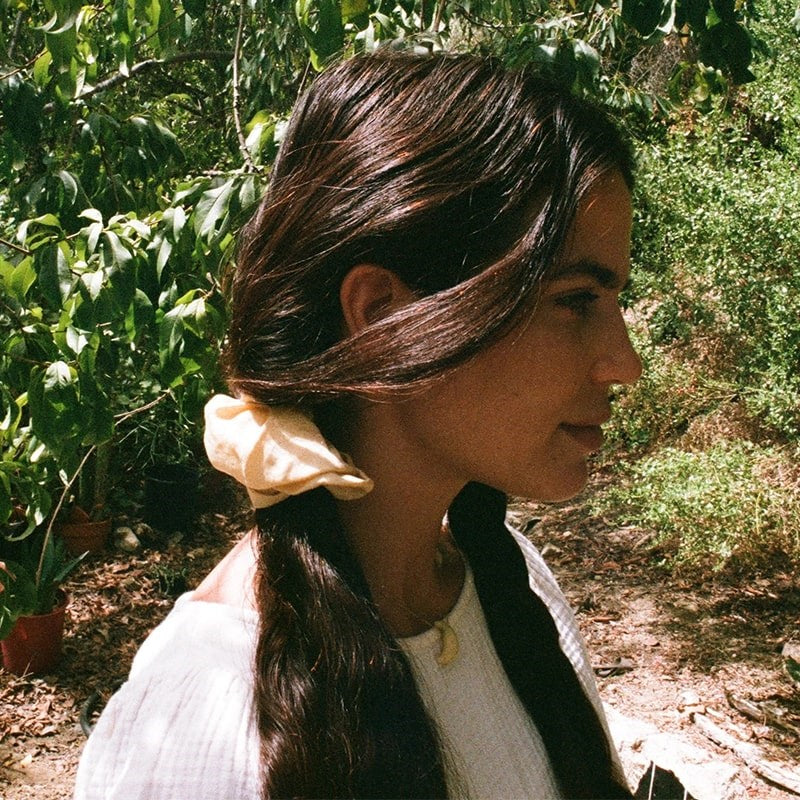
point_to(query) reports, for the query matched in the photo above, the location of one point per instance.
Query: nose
(617, 361)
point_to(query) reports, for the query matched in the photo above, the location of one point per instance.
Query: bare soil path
(666, 648)
(674, 647)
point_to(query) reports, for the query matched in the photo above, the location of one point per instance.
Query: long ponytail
(526, 640)
(337, 708)
(338, 711)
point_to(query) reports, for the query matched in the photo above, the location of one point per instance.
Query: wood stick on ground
(751, 754)
(760, 713)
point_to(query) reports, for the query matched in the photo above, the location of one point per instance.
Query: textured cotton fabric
(182, 727)
(276, 452)
(503, 756)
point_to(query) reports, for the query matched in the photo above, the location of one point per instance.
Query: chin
(557, 489)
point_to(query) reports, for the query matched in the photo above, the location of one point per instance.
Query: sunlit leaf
(121, 255)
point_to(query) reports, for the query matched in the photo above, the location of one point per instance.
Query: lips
(589, 437)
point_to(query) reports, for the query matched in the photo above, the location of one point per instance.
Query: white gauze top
(182, 726)
(492, 745)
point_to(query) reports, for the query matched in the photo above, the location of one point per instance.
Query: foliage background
(137, 134)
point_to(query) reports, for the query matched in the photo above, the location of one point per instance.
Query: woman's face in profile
(524, 415)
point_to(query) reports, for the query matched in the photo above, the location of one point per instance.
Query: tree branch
(16, 247)
(437, 15)
(61, 499)
(237, 51)
(15, 35)
(109, 171)
(29, 63)
(126, 415)
(143, 66)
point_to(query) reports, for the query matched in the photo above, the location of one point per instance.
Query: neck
(414, 573)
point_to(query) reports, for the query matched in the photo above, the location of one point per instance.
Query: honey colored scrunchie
(276, 452)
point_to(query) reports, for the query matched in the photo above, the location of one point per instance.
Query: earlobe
(369, 293)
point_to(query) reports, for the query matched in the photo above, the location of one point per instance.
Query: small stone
(126, 540)
(144, 531)
(791, 649)
(550, 549)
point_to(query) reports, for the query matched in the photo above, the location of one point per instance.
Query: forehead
(599, 244)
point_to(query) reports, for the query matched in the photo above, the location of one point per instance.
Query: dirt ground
(674, 652)
(666, 651)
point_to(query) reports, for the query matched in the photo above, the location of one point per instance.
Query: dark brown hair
(463, 178)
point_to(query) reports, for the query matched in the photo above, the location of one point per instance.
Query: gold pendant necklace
(448, 639)
(448, 643)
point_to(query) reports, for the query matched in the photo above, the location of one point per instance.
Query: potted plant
(32, 603)
(163, 444)
(84, 532)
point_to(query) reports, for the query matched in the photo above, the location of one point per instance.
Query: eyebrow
(607, 278)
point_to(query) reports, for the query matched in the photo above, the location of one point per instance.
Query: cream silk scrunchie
(276, 452)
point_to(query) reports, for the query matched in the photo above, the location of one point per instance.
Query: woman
(433, 276)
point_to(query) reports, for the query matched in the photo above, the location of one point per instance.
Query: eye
(579, 302)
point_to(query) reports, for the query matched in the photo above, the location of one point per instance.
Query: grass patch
(735, 505)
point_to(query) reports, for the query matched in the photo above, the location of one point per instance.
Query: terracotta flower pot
(34, 644)
(85, 535)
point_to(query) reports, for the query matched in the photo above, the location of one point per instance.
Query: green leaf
(140, 315)
(93, 281)
(41, 69)
(194, 8)
(178, 221)
(168, 29)
(119, 18)
(70, 185)
(211, 213)
(728, 45)
(170, 349)
(37, 237)
(645, 15)
(120, 254)
(248, 194)
(55, 410)
(76, 340)
(22, 107)
(321, 25)
(58, 376)
(12, 415)
(18, 595)
(98, 417)
(694, 13)
(55, 277)
(61, 43)
(352, 9)
(586, 58)
(164, 252)
(21, 279)
(93, 232)
(92, 214)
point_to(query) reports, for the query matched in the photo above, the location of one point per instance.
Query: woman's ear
(369, 293)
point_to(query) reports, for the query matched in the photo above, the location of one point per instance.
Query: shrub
(735, 504)
(715, 277)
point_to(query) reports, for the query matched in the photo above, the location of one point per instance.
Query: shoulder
(183, 724)
(540, 577)
(544, 584)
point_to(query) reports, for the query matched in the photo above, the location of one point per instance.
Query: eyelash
(577, 302)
